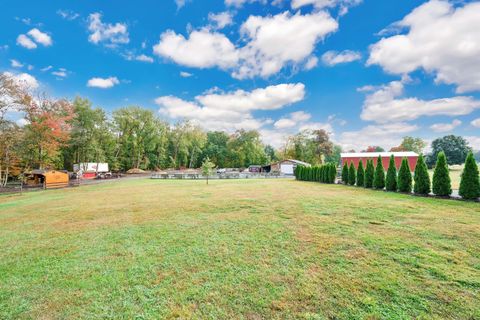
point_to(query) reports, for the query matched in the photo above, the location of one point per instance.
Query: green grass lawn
(237, 249)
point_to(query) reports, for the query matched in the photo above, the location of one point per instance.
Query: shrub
(322, 174)
(333, 172)
(405, 177)
(379, 177)
(442, 185)
(369, 174)
(470, 183)
(345, 174)
(421, 177)
(391, 181)
(318, 171)
(360, 174)
(351, 175)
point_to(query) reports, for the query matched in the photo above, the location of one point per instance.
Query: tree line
(57, 133)
(374, 177)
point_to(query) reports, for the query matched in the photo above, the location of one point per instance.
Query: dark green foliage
(322, 174)
(405, 177)
(369, 174)
(441, 179)
(470, 183)
(379, 177)
(360, 175)
(421, 177)
(391, 181)
(345, 174)
(352, 176)
(455, 148)
(333, 172)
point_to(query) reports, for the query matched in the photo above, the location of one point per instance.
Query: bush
(405, 177)
(351, 175)
(345, 174)
(360, 174)
(391, 181)
(333, 173)
(421, 177)
(318, 172)
(322, 174)
(442, 185)
(379, 177)
(470, 183)
(369, 174)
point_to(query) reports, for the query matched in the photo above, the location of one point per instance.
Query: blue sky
(370, 72)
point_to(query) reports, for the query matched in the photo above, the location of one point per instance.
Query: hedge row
(325, 173)
(403, 181)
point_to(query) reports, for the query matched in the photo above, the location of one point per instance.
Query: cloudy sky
(369, 72)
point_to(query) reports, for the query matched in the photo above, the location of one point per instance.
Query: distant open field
(237, 249)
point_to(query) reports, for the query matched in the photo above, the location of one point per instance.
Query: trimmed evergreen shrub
(322, 174)
(379, 176)
(391, 181)
(470, 183)
(345, 174)
(333, 173)
(360, 175)
(352, 175)
(369, 174)
(405, 177)
(442, 185)
(421, 177)
(318, 171)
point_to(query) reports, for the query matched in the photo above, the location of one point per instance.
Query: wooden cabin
(49, 179)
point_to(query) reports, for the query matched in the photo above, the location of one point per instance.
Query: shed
(355, 158)
(50, 179)
(286, 167)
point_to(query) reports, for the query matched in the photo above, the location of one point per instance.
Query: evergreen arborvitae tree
(391, 181)
(442, 185)
(405, 177)
(379, 177)
(352, 176)
(421, 177)
(345, 174)
(322, 174)
(369, 174)
(360, 175)
(318, 171)
(470, 183)
(333, 173)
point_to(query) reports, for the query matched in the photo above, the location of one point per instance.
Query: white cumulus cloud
(441, 39)
(26, 42)
(271, 43)
(202, 49)
(221, 20)
(332, 58)
(103, 83)
(231, 110)
(476, 123)
(386, 105)
(276, 41)
(446, 127)
(110, 34)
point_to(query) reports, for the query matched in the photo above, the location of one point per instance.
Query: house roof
(294, 161)
(376, 154)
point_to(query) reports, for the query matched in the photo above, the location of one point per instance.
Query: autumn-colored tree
(47, 130)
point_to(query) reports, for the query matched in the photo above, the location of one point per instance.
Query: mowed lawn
(237, 249)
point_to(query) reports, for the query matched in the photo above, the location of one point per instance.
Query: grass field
(237, 249)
